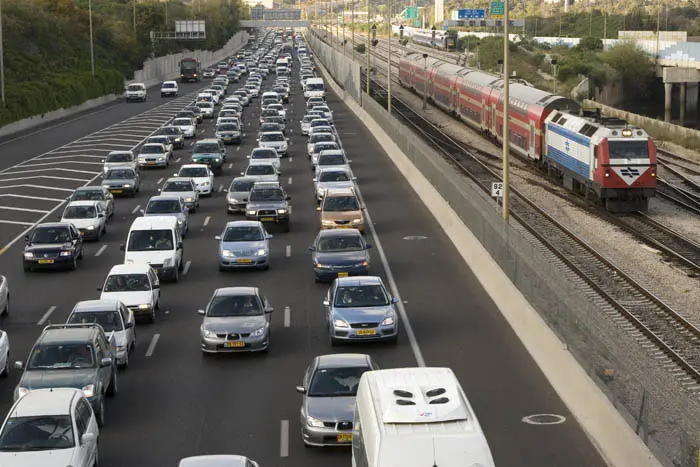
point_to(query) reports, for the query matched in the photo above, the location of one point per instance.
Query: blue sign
(471, 14)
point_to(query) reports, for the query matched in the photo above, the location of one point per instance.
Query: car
(184, 188)
(207, 109)
(237, 194)
(50, 427)
(186, 125)
(274, 140)
(120, 159)
(169, 205)
(328, 390)
(269, 126)
(164, 140)
(313, 102)
(236, 319)
(154, 155)
(201, 175)
(319, 129)
(208, 152)
(156, 241)
(320, 122)
(169, 88)
(175, 135)
(332, 159)
(208, 95)
(243, 96)
(230, 110)
(136, 92)
(318, 138)
(76, 356)
(360, 309)
(253, 89)
(229, 133)
(265, 156)
(268, 203)
(114, 317)
(341, 209)
(318, 148)
(330, 178)
(88, 217)
(5, 343)
(217, 460)
(244, 244)
(4, 297)
(282, 92)
(137, 286)
(52, 245)
(268, 113)
(262, 172)
(277, 120)
(306, 123)
(198, 113)
(339, 253)
(95, 193)
(208, 73)
(220, 89)
(325, 110)
(279, 108)
(122, 181)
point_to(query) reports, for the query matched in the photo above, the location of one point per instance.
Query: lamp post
(2, 61)
(506, 112)
(388, 59)
(425, 80)
(92, 49)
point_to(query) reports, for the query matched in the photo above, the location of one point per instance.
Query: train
(607, 160)
(426, 38)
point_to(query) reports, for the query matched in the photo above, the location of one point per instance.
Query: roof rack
(74, 326)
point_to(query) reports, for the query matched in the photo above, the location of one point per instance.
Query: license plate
(366, 332)
(345, 438)
(267, 219)
(116, 191)
(150, 163)
(244, 261)
(234, 344)
(45, 261)
(343, 226)
(155, 270)
(342, 274)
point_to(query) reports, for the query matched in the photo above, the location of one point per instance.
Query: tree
(634, 66)
(589, 44)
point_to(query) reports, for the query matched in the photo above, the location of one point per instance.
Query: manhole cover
(544, 419)
(415, 237)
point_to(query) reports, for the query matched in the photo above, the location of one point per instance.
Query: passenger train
(426, 38)
(605, 159)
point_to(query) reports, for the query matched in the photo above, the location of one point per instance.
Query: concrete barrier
(154, 72)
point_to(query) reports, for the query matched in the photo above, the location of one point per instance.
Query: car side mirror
(19, 366)
(318, 208)
(312, 248)
(269, 309)
(107, 361)
(395, 300)
(218, 237)
(102, 214)
(26, 238)
(179, 245)
(368, 246)
(201, 312)
(326, 302)
(354, 178)
(301, 389)
(269, 236)
(122, 247)
(87, 438)
(129, 325)
(349, 161)
(289, 198)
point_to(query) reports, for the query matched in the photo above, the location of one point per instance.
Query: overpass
(261, 17)
(275, 24)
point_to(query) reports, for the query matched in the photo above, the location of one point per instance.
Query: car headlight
(168, 262)
(29, 255)
(357, 221)
(189, 200)
(161, 158)
(325, 222)
(91, 227)
(206, 183)
(127, 185)
(258, 332)
(21, 392)
(251, 213)
(217, 159)
(67, 253)
(227, 253)
(89, 390)
(144, 306)
(281, 211)
(207, 332)
(388, 321)
(362, 264)
(315, 422)
(261, 252)
(339, 323)
(322, 266)
(179, 221)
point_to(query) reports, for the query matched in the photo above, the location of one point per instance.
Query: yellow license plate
(45, 261)
(344, 226)
(342, 274)
(246, 261)
(366, 332)
(345, 438)
(267, 219)
(151, 163)
(116, 191)
(234, 344)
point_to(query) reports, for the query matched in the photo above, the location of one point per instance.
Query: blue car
(339, 253)
(244, 244)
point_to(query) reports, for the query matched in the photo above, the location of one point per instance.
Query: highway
(172, 401)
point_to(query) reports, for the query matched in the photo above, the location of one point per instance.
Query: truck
(190, 70)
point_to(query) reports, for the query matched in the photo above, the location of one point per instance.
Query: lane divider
(287, 316)
(288, 252)
(101, 250)
(136, 209)
(46, 316)
(289, 182)
(186, 269)
(206, 221)
(284, 438)
(152, 345)
(160, 180)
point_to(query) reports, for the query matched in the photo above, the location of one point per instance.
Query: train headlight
(627, 132)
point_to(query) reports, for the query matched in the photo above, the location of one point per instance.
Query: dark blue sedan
(339, 253)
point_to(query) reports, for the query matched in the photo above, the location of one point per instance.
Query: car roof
(152, 144)
(217, 460)
(190, 166)
(130, 268)
(178, 179)
(339, 233)
(53, 224)
(121, 151)
(164, 197)
(245, 178)
(154, 222)
(83, 203)
(67, 334)
(337, 360)
(208, 140)
(54, 401)
(87, 306)
(90, 188)
(358, 280)
(340, 192)
(332, 168)
(235, 291)
(242, 224)
(272, 132)
(330, 152)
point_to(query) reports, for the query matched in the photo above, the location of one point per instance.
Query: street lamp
(506, 111)
(425, 80)
(92, 49)
(2, 61)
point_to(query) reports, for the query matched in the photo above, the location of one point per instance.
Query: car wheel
(97, 455)
(99, 235)
(6, 311)
(104, 229)
(125, 364)
(113, 388)
(100, 413)
(181, 266)
(6, 370)
(176, 274)
(152, 316)
(74, 264)
(27, 268)
(334, 342)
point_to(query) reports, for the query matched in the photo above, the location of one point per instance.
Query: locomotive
(605, 159)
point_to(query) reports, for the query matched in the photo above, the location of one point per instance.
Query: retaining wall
(654, 402)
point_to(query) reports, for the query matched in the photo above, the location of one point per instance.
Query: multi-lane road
(175, 403)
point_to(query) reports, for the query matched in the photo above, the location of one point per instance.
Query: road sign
(412, 12)
(497, 10)
(497, 189)
(471, 14)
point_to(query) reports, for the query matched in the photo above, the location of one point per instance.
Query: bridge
(261, 17)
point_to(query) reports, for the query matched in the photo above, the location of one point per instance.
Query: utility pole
(352, 7)
(425, 80)
(388, 81)
(506, 111)
(369, 46)
(2, 61)
(92, 49)
(658, 29)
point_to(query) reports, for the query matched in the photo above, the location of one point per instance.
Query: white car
(120, 158)
(186, 125)
(136, 92)
(262, 172)
(279, 108)
(136, 285)
(331, 178)
(253, 89)
(276, 140)
(201, 175)
(4, 354)
(217, 460)
(164, 140)
(327, 113)
(207, 109)
(332, 159)
(87, 216)
(169, 88)
(50, 427)
(4, 297)
(265, 156)
(154, 155)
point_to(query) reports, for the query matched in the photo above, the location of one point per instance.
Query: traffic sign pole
(506, 112)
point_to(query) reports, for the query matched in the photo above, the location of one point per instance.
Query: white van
(314, 87)
(416, 417)
(156, 240)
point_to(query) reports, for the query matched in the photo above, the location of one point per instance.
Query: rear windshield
(272, 137)
(119, 157)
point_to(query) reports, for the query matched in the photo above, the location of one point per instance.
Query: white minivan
(156, 240)
(314, 87)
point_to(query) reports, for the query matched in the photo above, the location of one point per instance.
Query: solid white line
(289, 182)
(287, 316)
(289, 208)
(177, 160)
(101, 250)
(46, 176)
(186, 268)
(9, 208)
(284, 438)
(152, 345)
(136, 209)
(38, 187)
(14, 222)
(290, 159)
(46, 316)
(206, 221)
(160, 180)
(289, 251)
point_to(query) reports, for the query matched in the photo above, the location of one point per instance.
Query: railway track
(619, 293)
(675, 185)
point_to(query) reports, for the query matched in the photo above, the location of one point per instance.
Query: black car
(52, 245)
(339, 253)
(197, 112)
(174, 134)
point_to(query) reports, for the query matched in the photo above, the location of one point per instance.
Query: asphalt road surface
(173, 402)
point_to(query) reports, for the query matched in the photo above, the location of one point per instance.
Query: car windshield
(178, 186)
(109, 320)
(148, 240)
(236, 305)
(321, 137)
(61, 356)
(88, 195)
(120, 174)
(260, 169)
(79, 212)
(267, 194)
(361, 296)
(119, 157)
(331, 243)
(51, 235)
(336, 382)
(270, 113)
(243, 234)
(263, 154)
(127, 283)
(340, 203)
(206, 148)
(152, 149)
(182, 122)
(272, 137)
(331, 159)
(37, 433)
(163, 206)
(194, 172)
(135, 87)
(314, 86)
(333, 176)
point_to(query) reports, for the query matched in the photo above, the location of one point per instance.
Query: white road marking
(160, 180)
(136, 209)
(46, 316)
(238, 148)
(289, 182)
(176, 161)
(38, 187)
(31, 197)
(101, 250)
(289, 208)
(14, 223)
(206, 220)
(287, 316)
(288, 252)
(290, 159)
(230, 166)
(220, 189)
(284, 438)
(9, 208)
(152, 345)
(186, 269)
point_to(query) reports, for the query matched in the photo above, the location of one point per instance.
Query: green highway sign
(497, 10)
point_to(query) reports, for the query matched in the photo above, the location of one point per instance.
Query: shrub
(360, 48)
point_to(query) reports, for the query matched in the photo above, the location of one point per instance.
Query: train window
(562, 121)
(556, 117)
(591, 130)
(628, 150)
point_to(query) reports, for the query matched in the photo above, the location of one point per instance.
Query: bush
(360, 48)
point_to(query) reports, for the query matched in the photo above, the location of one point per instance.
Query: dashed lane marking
(186, 269)
(284, 438)
(101, 250)
(152, 345)
(206, 221)
(289, 182)
(288, 251)
(160, 180)
(287, 316)
(46, 316)
(136, 209)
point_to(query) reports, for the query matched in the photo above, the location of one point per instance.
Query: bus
(416, 417)
(190, 70)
